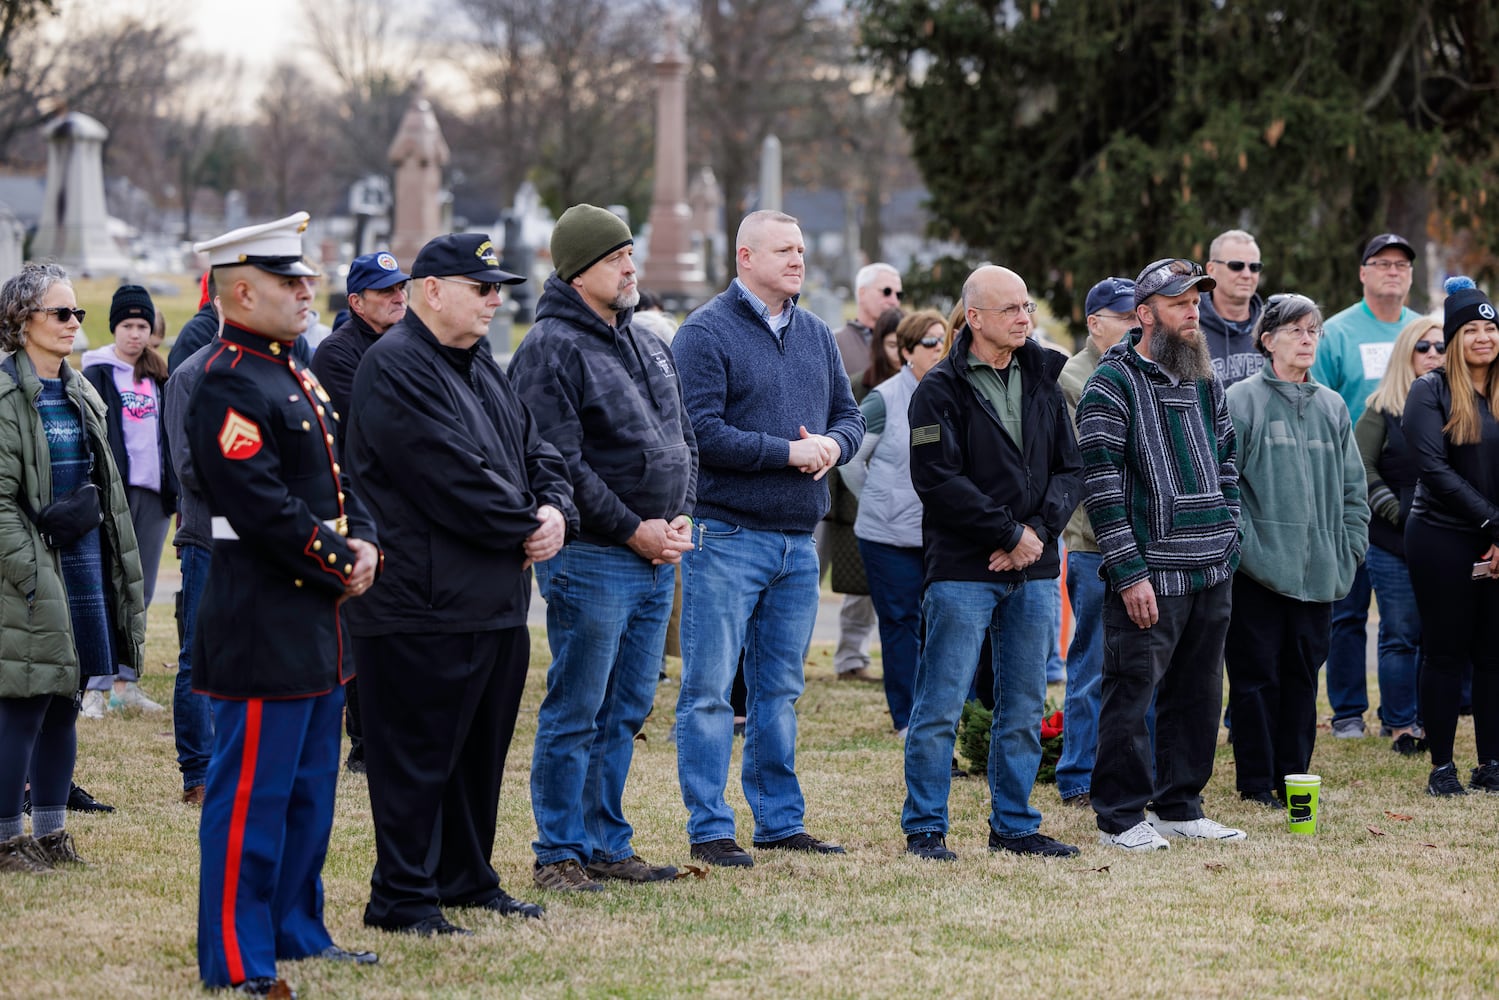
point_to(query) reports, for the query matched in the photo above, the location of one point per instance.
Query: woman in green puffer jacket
(71, 597)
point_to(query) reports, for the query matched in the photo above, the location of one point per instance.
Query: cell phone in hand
(1481, 570)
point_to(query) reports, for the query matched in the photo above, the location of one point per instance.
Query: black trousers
(1275, 645)
(441, 710)
(1459, 627)
(1177, 662)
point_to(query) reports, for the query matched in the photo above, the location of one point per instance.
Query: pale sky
(259, 32)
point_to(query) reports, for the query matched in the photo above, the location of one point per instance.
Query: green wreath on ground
(973, 739)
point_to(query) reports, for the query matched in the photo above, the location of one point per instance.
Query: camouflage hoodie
(608, 398)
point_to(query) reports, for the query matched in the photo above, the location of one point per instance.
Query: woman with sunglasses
(1452, 536)
(1390, 470)
(71, 600)
(888, 527)
(1305, 522)
(130, 376)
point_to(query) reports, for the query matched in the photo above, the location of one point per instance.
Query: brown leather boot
(59, 849)
(23, 854)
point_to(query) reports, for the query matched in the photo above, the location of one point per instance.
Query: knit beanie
(131, 302)
(585, 235)
(1464, 304)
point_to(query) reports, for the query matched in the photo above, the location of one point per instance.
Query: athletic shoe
(1140, 837)
(1036, 844)
(563, 876)
(1443, 781)
(1485, 777)
(135, 698)
(1408, 745)
(1349, 729)
(93, 705)
(931, 846)
(1194, 829)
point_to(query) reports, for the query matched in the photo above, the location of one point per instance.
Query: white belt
(222, 529)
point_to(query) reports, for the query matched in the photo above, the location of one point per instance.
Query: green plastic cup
(1302, 793)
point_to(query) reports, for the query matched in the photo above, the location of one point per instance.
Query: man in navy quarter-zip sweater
(772, 412)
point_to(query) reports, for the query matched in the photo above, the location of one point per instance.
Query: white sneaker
(1194, 829)
(1140, 837)
(93, 705)
(135, 698)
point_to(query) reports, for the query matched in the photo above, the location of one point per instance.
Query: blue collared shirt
(777, 323)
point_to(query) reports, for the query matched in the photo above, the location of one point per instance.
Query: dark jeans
(895, 576)
(1348, 652)
(1275, 644)
(1178, 662)
(192, 715)
(1459, 626)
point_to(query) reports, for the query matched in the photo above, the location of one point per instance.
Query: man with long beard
(1162, 491)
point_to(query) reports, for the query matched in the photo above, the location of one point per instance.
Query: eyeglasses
(483, 288)
(1301, 332)
(1385, 264)
(1422, 346)
(887, 291)
(930, 341)
(61, 313)
(1008, 312)
(1255, 266)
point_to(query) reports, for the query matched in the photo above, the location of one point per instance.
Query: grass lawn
(1392, 898)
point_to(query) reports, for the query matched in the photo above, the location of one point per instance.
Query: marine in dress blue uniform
(290, 544)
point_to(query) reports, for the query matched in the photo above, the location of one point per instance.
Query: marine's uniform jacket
(261, 430)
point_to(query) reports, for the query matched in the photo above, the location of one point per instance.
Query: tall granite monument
(673, 269)
(418, 153)
(74, 227)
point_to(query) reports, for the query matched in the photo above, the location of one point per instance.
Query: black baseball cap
(468, 255)
(1383, 242)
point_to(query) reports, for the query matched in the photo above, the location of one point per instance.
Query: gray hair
(870, 273)
(21, 296)
(1282, 310)
(1230, 236)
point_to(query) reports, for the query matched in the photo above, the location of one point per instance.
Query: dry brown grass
(1403, 912)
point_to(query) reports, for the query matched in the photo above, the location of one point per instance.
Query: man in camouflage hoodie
(606, 395)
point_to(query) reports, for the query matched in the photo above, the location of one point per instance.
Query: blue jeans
(1348, 656)
(1056, 663)
(1399, 638)
(755, 591)
(1084, 675)
(895, 575)
(607, 610)
(192, 715)
(1017, 617)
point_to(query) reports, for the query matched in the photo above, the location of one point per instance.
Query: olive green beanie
(585, 235)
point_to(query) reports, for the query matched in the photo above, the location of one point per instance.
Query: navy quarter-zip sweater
(747, 392)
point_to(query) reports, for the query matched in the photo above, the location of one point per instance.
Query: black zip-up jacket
(978, 489)
(337, 359)
(449, 461)
(609, 399)
(101, 377)
(1459, 483)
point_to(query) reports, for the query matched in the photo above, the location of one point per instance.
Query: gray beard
(1188, 360)
(626, 300)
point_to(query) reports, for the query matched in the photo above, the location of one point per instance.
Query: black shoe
(739, 728)
(723, 854)
(932, 846)
(957, 769)
(1485, 777)
(355, 765)
(1407, 745)
(265, 986)
(432, 926)
(507, 905)
(1443, 781)
(82, 802)
(799, 842)
(1038, 844)
(1261, 798)
(334, 953)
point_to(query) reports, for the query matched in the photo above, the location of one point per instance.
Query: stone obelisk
(418, 153)
(673, 268)
(74, 225)
(770, 173)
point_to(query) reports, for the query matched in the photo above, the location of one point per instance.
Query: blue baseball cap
(374, 270)
(1114, 294)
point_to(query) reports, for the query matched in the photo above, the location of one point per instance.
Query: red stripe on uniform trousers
(243, 789)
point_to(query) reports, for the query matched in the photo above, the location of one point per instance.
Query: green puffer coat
(37, 655)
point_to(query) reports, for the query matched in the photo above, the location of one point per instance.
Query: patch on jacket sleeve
(930, 434)
(239, 438)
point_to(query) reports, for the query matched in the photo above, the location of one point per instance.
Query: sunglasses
(1422, 346)
(1255, 266)
(887, 291)
(61, 313)
(931, 341)
(483, 288)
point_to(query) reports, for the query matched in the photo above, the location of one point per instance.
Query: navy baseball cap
(1170, 276)
(1114, 294)
(1384, 241)
(374, 270)
(468, 255)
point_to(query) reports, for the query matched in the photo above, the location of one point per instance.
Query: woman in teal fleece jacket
(1305, 524)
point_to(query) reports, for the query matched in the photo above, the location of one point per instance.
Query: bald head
(990, 283)
(994, 301)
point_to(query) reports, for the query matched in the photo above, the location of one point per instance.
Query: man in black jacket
(469, 496)
(995, 462)
(606, 395)
(376, 290)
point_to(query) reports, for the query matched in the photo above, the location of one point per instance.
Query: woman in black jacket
(1452, 535)
(129, 375)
